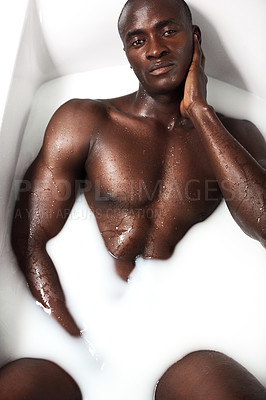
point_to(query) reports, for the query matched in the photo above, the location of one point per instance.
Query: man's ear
(196, 30)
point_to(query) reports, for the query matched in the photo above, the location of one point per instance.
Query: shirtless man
(148, 158)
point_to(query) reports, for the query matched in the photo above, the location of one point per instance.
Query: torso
(148, 185)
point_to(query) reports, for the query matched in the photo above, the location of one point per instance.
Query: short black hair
(182, 3)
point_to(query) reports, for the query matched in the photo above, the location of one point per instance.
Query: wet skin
(204, 375)
(155, 162)
(36, 379)
(145, 200)
(208, 375)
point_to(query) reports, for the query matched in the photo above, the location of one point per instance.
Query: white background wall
(12, 14)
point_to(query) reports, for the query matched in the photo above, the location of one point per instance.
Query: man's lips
(162, 68)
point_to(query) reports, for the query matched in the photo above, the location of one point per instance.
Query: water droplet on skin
(53, 179)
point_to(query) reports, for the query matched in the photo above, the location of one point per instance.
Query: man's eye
(169, 32)
(137, 42)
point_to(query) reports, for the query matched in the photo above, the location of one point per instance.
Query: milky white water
(209, 295)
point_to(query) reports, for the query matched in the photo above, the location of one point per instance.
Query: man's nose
(157, 49)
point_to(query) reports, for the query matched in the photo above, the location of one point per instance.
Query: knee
(37, 379)
(179, 381)
(209, 375)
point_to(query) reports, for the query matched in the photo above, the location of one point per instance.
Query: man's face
(158, 41)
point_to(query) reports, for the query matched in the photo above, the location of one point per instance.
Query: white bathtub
(211, 293)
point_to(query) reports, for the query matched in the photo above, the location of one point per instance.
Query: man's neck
(163, 107)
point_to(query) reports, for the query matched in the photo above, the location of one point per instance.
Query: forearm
(40, 273)
(29, 245)
(241, 179)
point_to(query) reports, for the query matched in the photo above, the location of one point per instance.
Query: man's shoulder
(242, 129)
(238, 126)
(83, 109)
(75, 121)
(77, 118)
(246, 133)
(72, 124)
(94, 111)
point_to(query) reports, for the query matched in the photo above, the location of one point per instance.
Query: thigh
(36, 379)
(208, 375)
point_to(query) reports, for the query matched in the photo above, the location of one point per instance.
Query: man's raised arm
(239, 169)
(41, 212)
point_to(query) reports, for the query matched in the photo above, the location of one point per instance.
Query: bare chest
(147, 188)
(134, 168)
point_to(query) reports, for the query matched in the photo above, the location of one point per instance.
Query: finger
(198, 53)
